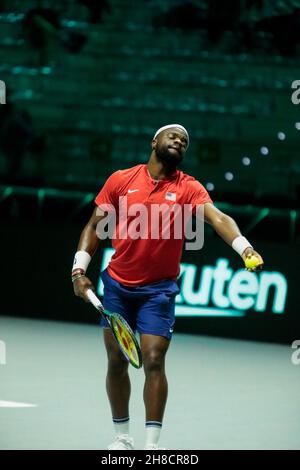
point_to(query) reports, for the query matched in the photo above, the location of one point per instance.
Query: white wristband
(81, 260)
(240, 244)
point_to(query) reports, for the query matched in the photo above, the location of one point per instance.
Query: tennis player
(140, 281)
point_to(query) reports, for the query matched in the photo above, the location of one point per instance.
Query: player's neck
(157, 169)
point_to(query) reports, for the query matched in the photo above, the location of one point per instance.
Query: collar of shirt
(167, 178)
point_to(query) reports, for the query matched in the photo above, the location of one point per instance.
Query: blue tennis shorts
(148, 309)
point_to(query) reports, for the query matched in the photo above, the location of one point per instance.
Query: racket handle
(94, 299)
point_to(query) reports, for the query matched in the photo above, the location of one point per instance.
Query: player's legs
(151, 310)
(117, 379)
(154, 350)
(155, 323)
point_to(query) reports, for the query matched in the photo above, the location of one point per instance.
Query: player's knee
(153, 362)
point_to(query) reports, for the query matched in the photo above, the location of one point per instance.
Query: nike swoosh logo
(132, 190)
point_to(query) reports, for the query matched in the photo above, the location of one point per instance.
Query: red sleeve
(109, 193)
(198, 194)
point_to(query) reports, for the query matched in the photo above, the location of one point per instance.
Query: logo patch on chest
(171, 196)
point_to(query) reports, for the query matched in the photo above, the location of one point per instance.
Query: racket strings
(127, 342)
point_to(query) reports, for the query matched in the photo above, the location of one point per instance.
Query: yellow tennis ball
(251, 262)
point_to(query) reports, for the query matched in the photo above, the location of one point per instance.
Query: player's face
(170, 146)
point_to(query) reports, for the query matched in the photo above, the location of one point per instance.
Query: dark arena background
(84, 86)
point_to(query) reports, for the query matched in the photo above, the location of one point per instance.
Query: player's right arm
(106, 202)
(89, 242)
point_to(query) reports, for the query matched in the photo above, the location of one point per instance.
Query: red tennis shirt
(153, 256)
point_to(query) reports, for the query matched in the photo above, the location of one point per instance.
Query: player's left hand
(250, 252)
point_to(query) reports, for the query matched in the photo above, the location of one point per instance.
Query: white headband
(172, 125)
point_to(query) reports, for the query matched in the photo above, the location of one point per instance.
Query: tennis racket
(124, 335)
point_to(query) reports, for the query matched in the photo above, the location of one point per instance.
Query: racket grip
(93, 299)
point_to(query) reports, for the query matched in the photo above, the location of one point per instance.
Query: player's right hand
(81, 285)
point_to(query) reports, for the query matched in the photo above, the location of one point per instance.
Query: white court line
(14, 404)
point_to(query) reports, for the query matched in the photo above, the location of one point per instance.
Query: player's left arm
(226, 227)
